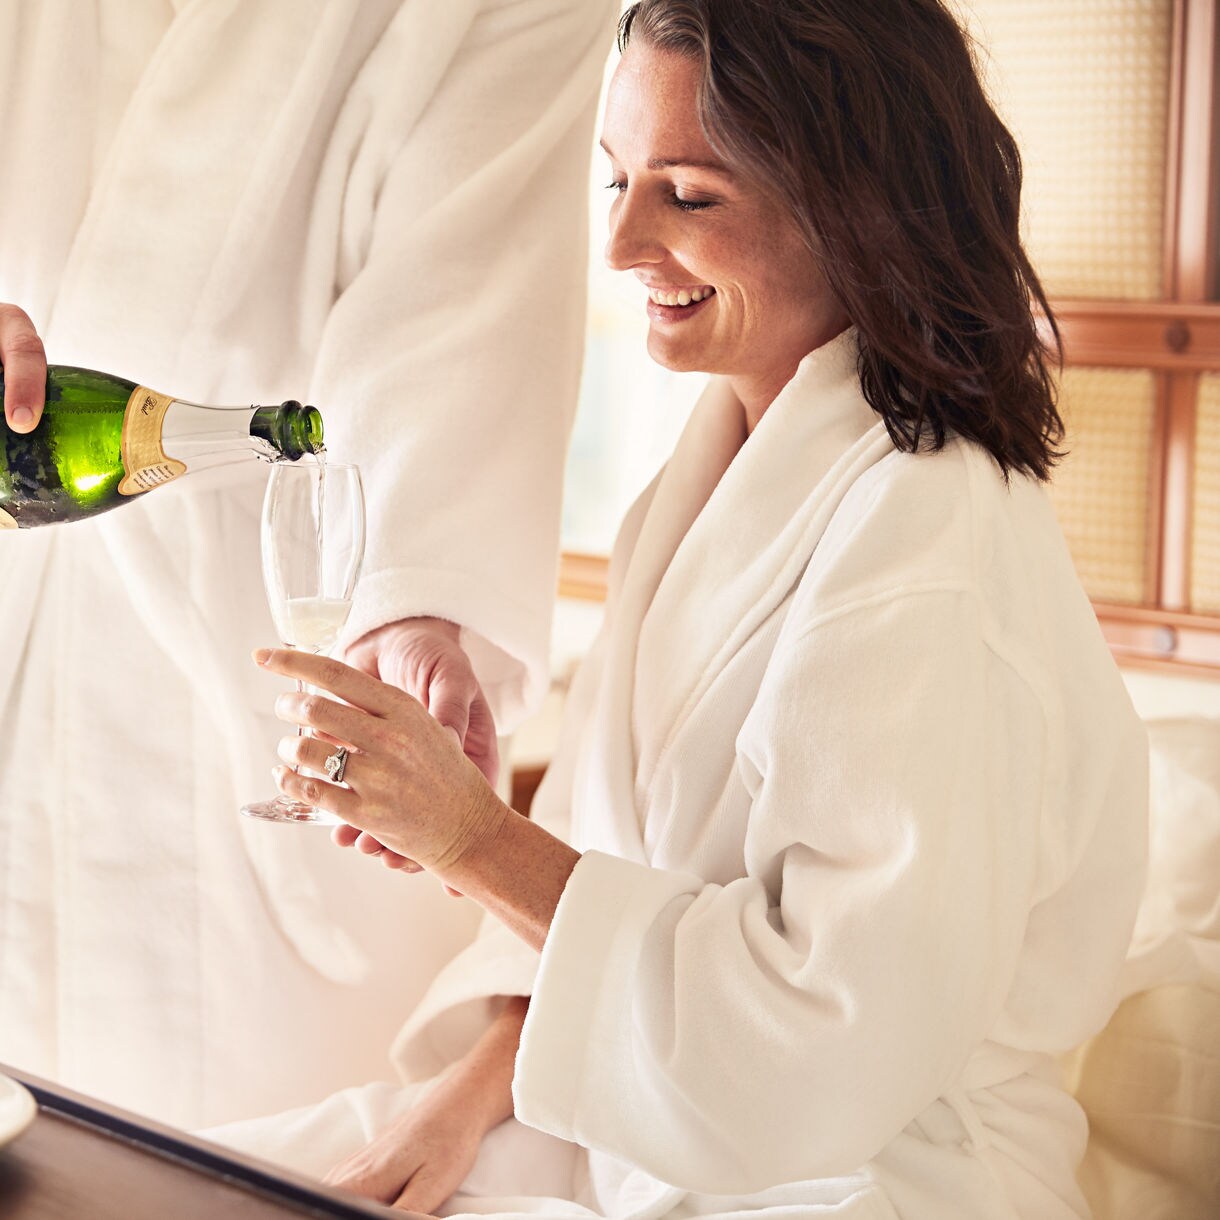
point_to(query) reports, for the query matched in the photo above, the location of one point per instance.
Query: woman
(854, 794)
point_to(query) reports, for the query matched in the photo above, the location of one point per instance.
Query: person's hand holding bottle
(25, 369)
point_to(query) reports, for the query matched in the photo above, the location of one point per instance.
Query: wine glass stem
(300, 727)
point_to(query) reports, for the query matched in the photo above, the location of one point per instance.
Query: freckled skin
(771, 306)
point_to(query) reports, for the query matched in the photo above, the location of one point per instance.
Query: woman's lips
(677, 313)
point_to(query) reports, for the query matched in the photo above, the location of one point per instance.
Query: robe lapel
(606, 772)
(749, 545)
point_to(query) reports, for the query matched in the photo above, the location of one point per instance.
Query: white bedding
(1150, 1082)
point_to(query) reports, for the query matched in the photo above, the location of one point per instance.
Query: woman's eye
(691, 205)
(619, 185)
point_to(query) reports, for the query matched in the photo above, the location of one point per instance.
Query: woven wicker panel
(1084, 86)
(1100, 490)
(1205, 531)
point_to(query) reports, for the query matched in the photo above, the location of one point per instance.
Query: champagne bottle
(102, 441)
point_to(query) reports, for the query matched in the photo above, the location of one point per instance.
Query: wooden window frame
(1177, 338)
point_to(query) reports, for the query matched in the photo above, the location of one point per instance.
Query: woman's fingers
(372, 846)
(361, 1175)
(428, 1187)
(420, 1197)
(391, 859)
(339, 801)
(357, 688)
(407, 782)
(334, 721)
(344, 835)
(301, 751)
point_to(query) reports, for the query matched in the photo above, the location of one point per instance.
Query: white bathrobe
(374, 205)
(862, 804)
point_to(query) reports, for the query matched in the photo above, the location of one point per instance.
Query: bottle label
(144, 460)
(7, 521)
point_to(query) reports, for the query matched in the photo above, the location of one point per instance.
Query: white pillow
(1150, 1081)
(1177, 936)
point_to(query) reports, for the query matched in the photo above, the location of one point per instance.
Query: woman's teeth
(685, 296)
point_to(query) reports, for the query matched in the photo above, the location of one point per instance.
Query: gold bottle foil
(144, 459)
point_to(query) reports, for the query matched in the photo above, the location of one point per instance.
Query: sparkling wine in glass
(312, 543)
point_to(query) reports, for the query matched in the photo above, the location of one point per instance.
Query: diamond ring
(336, 765)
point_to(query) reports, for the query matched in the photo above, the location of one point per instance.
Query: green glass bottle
(103, 440)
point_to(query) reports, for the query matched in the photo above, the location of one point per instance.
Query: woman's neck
(758, 391)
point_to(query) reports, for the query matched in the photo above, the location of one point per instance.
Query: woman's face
(732, 287)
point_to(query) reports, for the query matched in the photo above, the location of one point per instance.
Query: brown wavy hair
(868, 121)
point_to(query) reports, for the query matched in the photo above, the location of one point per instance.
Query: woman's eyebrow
(716, 167)
(655, 163)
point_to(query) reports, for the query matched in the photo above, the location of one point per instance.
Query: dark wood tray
(83, 1160)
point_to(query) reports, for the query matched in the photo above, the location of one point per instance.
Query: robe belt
(993, 1064)
(989, 1066)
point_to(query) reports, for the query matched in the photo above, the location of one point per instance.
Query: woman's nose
(634, 235)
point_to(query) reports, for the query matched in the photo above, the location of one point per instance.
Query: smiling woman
(843, 839)
(733, 286)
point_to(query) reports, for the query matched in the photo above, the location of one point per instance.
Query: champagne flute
(312, 544)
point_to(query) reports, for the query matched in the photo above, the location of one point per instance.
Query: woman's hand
(425, 658)
(410, 787)
(416, 1163)
(408, 783)
(420, 1160)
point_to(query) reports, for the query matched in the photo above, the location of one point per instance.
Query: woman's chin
(677, 357)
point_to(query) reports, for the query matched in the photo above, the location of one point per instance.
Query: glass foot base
(284, 809)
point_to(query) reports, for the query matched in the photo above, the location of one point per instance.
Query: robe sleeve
(789, 1024)
(452, 354)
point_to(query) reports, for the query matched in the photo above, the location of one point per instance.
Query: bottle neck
(204, 436)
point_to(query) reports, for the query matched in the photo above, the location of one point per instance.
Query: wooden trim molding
(1176, 492)
(1193, 226)
(1174, 153)
(1169, 336)
(1162, 639)
(1161, 472)
(584, 576)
